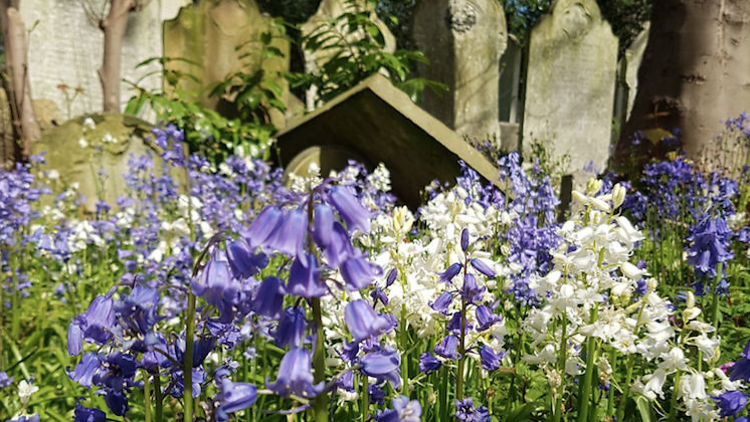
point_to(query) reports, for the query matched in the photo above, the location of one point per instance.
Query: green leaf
(644, 408)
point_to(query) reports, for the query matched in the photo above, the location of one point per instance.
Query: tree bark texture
(114, 26)
(694, 76)
(22, 108)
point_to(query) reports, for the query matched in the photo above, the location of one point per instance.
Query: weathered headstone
(66, 48)
(93, 151)
(212, 39)
(633, 58)
(570, 85)
(375, 122)
(324, 19)
(464, 40)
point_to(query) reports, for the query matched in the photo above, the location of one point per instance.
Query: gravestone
(376, 122)
(82, 148)
(66, 48)
(633, 58)
(464, 41)
(570, 86)
(325, 19)
(212, 39)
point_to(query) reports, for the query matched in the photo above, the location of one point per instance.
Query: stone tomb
(570, 86)
(464, 41)
(375, 122)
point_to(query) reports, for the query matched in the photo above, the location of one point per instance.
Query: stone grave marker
(82, 147)
(375, 122)
(219, 37)
(633, 58)
(324, 18)
(570, 86)
(66, 48)
(464, 41)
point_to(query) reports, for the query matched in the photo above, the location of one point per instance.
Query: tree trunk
(695, 74)
(114, 26)
(20, 96)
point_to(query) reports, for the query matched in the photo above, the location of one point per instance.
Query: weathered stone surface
(66, 48)
(79, 152)
(464, 40)
(375, 122)
(324, 18)
(633, 58)
(221, 37)
(570, 85)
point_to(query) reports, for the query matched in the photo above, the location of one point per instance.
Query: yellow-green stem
(365, 398)
(584, 391)
(187, 366)
(320, 407)
(146, 397)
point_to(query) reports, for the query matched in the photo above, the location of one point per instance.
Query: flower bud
(464, 239)
(593, 186)
(618, 195)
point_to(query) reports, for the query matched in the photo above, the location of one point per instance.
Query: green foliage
(351, 48)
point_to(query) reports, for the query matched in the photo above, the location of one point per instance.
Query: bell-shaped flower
(289, 236)
(464, 240)
(263, 225)
(470, 291)
(741, 368)
(490, 359)
(304, 278)
(116, 401)
(383, 365)
(447, 347)
(75, 338)
(483, 268)
(442, 303)
(391, 277)
(353, 213)
(291, 329)
(730, 403)
(233, 396)
(339, 248)
(86, 369)
(323, 225)
(404, 410)
(99, 319)
(138, 311)
(87, 414)
(429, 363)
(295, 376)
(363, 322)
(202, 346)
(269, 298)
(242, 261)
(486, 318)
(450, 272)
(217, 287)
(454, 324)
(358, 272)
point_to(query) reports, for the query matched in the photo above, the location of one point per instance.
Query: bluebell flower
(486, 318)
(289, 236)
(217, 286)
(339, 248)
(454, 324)
(483, 268)
(464, 240)
(346, 382)
(98, 320)
(447, 347)
(391, 277)
(470, 291)
(710, 245)
(378, 295)
(377, 395)
(295, 375)
(323, 225)
(264, 224)
(363, 322)
(116, 401)
(358, 272)
(26, 418)
(86, 369)
(442, 303)
(404, 410)
(450, 272)
(730, 403)
(137, 312)
(75, 338)
(269, 297)
(429, 363)
(304, 278)
(5, 380)
(233, 396)
(291, 329)
(741, 368)
(353, 213)
(242, 261)
(383, 365)
(466, 412)
(490, 360)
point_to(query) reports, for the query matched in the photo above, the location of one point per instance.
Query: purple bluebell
(442, 303)
(346, 382)
(447, 347)
(486, 318)
(202, 346)
(339, 249)
(86, 369)
(348, 206)
(269, 297)
(391, 277)
(87, 414)
(730, 403)
(464, 240)
(304, 278)
(137, 312)
(383, 365)
(466, 412)
(291, 328)
(363, 322)
(741, 368)
(490, 359)
(99, 319)
(26, 418)
(429, 363)
(470, 291)
(323, 225)
(358, 272)
(289, 236)
(710, 245)
(295, 375)
(242, 261)
(378, 295)
(5, 380)
(217, 286)
(377, 395)
(75, 338)
(116, 401)
(454, 324)
(264, 224)
(450, 272)
(404, 410)
(482, 267)
(233, 396)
